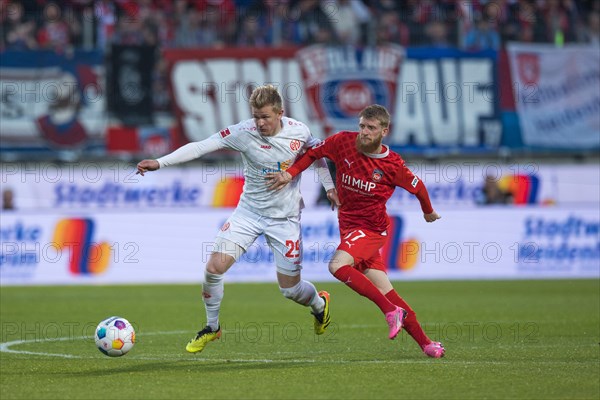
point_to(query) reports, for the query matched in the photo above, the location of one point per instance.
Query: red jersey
(364, 182)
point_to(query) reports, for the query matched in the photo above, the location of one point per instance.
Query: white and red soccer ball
(115, 336)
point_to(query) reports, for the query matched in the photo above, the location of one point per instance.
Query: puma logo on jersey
(348, 162)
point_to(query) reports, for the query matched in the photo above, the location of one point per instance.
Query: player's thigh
(239, 231)
(284, 237)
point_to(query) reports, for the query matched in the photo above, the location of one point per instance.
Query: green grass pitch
(504, 340)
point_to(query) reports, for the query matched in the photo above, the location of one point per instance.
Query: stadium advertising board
(556, 94)
(438, 98)
(106, 248)
(115, 186)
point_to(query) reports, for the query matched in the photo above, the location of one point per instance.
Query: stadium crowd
(471, 25)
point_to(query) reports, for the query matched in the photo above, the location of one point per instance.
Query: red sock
(411, 325)
(363, 286)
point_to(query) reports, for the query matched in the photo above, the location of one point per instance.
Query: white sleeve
(192, 151)
(323, 172)
(320, 166)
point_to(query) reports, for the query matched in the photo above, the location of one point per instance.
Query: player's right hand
(147, 165)
(432, 217)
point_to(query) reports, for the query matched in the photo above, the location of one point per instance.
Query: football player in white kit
(268, 142)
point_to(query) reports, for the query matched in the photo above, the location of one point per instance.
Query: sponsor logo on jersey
(265, 146)
(224, 133)
(357, 184)
(377, 175)
(414, 182)
(281, 166)
(225, 226)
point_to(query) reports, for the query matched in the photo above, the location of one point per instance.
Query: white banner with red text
(556, 94)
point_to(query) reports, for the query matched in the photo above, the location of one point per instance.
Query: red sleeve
(319, 150)
(411, 183)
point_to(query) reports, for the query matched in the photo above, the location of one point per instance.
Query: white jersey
(261, 155)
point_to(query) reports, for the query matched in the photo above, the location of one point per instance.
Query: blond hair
(375, 111)
(266, 95)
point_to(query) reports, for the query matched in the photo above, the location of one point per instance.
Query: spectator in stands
(282, 28)
(349, 19)
(558, 22)
(128, 31)
(55, 33)
(481, 36)
(106, 18)
(193, 28)
(437, 34)
(523, 24)
(590, 33)
(391, 29)
(314, 25)
(251, 33)
(492, 194)
(222, 17)
(8, 198)
(18, 32)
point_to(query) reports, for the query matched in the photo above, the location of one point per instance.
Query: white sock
(212, 295)
(306, 294)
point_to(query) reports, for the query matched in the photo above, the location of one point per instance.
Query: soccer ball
(115, 336)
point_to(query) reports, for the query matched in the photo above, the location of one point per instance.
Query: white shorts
(283, 235)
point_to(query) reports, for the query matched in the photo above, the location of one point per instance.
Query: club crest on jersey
(224, 133)
(295, 145)
(377, 175)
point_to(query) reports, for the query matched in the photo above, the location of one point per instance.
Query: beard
(367, 147)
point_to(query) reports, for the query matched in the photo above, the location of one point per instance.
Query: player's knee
(219, 263)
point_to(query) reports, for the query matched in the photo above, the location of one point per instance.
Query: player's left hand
(277, 180)
(431, 217)
(333, 198)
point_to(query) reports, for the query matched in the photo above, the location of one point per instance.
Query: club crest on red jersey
(377, 175)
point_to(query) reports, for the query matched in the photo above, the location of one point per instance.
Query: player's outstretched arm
(147, 165)
(432, 216)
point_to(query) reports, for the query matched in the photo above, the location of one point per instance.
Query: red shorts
(364, 246)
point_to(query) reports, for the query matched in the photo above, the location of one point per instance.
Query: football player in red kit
(367, 175)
